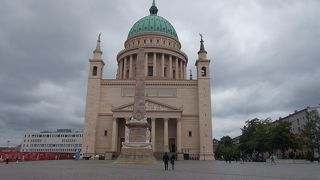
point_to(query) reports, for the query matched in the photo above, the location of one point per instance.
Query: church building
(178, 108)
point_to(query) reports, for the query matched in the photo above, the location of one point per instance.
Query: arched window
(203, 71)
(94, 70)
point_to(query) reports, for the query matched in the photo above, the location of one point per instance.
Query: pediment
(151, 105)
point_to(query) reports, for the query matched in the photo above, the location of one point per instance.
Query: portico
(164, 123)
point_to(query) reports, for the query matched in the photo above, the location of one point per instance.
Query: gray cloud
(265, 57)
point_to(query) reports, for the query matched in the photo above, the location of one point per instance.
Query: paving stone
(186, 170)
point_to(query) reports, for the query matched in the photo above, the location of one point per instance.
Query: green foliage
(264, 136)
(283, 138)
(226, 148)
(311, 132)
(256, 136)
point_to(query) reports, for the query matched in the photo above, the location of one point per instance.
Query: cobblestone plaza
(91, 170)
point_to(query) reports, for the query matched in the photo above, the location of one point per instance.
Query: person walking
(272, 159)
(165, 160)
(7, 160)
(173, 158)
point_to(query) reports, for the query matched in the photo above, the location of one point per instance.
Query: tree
(225, 148)
(311, 133)
(283, 138)
(256, 136)
(226, 140)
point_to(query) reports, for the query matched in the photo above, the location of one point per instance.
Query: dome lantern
(153, 9)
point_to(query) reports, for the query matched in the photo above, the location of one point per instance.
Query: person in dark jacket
(165, 160)
(173, 158)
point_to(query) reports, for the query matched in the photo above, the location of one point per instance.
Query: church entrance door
(172, 144)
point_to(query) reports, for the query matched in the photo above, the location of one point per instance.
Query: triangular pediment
(151, 105)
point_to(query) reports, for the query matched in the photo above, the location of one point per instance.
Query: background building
(62, 140)
(298, 119)
(178, 110)
(11, 149)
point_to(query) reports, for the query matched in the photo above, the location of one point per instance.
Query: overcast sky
(265, 57)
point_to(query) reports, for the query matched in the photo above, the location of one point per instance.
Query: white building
(299, 118)
(62, 140)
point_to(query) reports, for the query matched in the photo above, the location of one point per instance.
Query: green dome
(153, 24)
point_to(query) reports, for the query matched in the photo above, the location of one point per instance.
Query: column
(181, 69)
(118, 71)
(179, 135)
(125, 68)
(165, 138)
(162, 67)
(121, 69)
(114, 134)
(154, 64)
(153, 134)
(146, 64)
(130, 67)
(177, 69)
(185, 71)
(170, 66)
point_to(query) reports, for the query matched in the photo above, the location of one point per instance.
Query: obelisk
(137, 146)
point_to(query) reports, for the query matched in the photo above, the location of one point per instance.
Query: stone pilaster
(177, 68)
(153, 134)
(170, 66)
(125, 68)
(146, 64)
(130, 67)
(162, 67)
(165, 137)
(114, 134)
(154, 64)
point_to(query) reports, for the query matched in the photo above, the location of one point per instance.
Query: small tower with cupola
(92, 100)
(204, 103)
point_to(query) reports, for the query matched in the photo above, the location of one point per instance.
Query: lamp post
(8, 143)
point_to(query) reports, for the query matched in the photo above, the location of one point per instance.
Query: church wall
(111, 96)
(190, 144)
(103, 143)
(189, 99)
(159, 135)
(186, 97)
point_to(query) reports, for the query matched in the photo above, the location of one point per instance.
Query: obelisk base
(136, 156)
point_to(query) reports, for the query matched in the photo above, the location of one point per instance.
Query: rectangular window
(105, 133)
(190, 133)
(150, 71)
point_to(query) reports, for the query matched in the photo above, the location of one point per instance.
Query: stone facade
(178, 110)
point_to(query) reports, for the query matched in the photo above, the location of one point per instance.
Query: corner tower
(93, 100)
(204, 103)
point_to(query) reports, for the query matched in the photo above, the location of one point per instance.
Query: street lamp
(8, 142)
